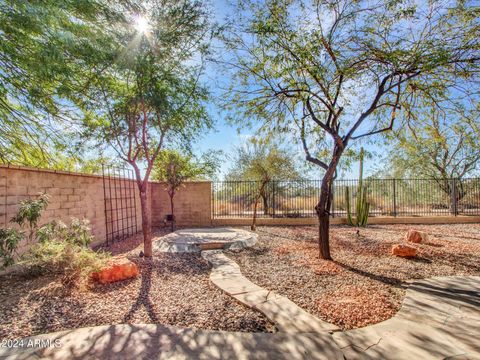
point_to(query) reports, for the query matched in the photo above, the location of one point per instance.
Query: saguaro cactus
(362, 205)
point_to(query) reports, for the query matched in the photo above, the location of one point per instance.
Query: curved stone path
(287, 316)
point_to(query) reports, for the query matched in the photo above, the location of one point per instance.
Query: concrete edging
(342, 221)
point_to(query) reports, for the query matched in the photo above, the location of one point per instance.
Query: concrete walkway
(151, 341)
(439, 319)
(287, 316)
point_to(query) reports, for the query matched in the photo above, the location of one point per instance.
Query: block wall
(71, 195)
(192, 204)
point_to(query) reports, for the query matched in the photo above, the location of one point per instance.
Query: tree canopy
(48, 50)
(263, 161)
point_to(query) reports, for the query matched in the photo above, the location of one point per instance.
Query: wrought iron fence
(387, 197)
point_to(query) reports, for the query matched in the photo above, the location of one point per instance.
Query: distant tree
(438, 144)
(262, 162)
(329, 72)
(150, 96)
(174, 169)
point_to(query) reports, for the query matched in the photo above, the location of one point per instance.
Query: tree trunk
(171, 211)
(265, 204)
(146, 224)
(324, 235)
(324, 204)
(257, 198)
(323, 213)
(254, 220)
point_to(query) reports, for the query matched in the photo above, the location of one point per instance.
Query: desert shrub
(74, 262)
(63, 249)
(30, 212)
(78, 232)
(9, 239)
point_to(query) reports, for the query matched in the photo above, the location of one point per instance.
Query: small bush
(63, 249)
(30, 212)
(9, 239)
(78, 232)
(75, 262)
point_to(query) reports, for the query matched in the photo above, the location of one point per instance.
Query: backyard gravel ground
(173, 289)
(364, 284)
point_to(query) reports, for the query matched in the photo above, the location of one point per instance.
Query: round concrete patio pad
(196, 240)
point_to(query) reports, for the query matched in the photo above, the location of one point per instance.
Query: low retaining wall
(339, 221)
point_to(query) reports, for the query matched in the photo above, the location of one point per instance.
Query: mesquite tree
(47, 52)
(150, 96)
(330, 72)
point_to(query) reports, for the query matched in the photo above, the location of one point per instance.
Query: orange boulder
(120, 269)
(404, 250)
(416, 236)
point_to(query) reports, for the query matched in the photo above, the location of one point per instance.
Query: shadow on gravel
(143, 298)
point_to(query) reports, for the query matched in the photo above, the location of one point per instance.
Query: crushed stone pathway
(287, 316)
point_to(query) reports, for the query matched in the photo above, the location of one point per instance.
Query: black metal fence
(387, 197)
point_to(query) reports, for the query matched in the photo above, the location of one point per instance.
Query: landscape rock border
(197, 240)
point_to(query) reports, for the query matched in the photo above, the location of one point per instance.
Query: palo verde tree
(335, 71)
(262, 162)
(438, 143)
(151, 97)
(174, 168)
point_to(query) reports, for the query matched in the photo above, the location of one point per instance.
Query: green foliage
(31, 210)
(151, 96)
(9, 239)
(437, 144)
(362, 204)
(174, 168)
(71, 259)
(263, 161)
(49, 50)
(63, 249)
(77, 233)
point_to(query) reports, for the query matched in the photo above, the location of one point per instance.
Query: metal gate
(120, 202)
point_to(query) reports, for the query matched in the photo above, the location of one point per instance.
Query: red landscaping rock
(404, 250)
(416, 236)
(118, 270)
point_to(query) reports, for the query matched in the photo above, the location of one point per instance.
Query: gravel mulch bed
(173, 289)
(364, 284)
